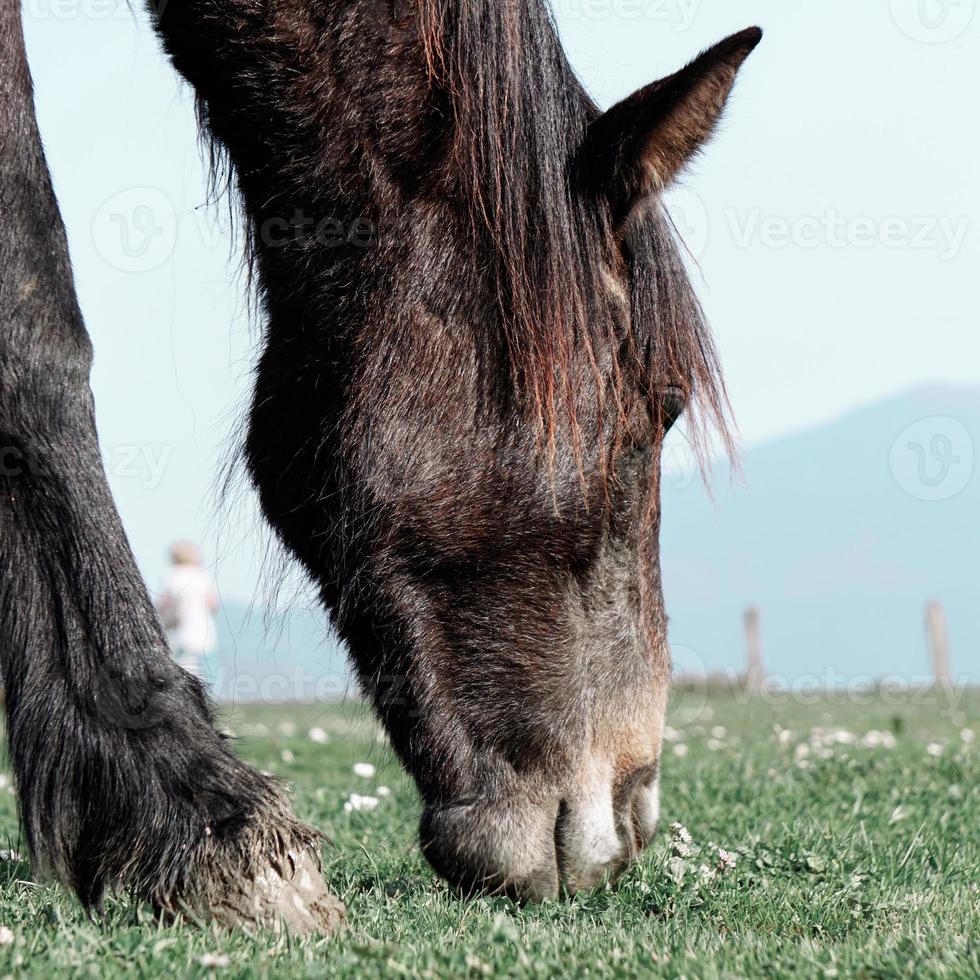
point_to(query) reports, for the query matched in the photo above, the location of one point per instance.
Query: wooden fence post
(938, 643)
(755, 675)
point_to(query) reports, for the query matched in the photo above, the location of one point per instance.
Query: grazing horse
(478, 329)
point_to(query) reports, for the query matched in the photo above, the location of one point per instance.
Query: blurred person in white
(187, 607)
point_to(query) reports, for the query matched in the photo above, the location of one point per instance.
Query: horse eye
(673, 402)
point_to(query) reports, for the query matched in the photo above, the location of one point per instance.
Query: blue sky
(834, 222)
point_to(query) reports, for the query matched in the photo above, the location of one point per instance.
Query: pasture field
(852, 833)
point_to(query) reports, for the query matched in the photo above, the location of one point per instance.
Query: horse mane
(521, 116)
(518, 117)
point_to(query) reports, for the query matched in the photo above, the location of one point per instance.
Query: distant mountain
(840, 535)
(278, 657)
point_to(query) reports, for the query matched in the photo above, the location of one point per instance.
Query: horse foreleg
(123, 780)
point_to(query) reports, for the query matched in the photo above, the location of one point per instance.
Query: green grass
(862, 861)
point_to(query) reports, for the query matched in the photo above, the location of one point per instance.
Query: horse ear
(639, 146)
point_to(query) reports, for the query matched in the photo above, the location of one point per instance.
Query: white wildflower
(364, 769)
(875, 740)
(671, 734)
(680, 840)
(214, 961)
(6, 936)
(719, 731)
(11, 856)
(383, 791)
(287, 756)
(823, 739)
(714, 745)
(681, 833)
(968, 736)
(680, 750)
(357, 802)
(840, 736)
(785, 736)
(319, 736)
(726, 860)
(934, 749)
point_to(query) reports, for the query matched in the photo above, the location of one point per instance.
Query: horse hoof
(289, 898)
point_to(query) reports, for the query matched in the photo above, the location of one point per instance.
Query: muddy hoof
(290, 898)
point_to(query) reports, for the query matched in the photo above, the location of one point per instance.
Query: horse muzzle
(532, 849)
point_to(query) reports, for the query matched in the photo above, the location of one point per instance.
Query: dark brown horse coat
(478, 330)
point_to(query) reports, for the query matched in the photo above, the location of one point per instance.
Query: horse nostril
(601, 830)
(589, 838)
(644, 806)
